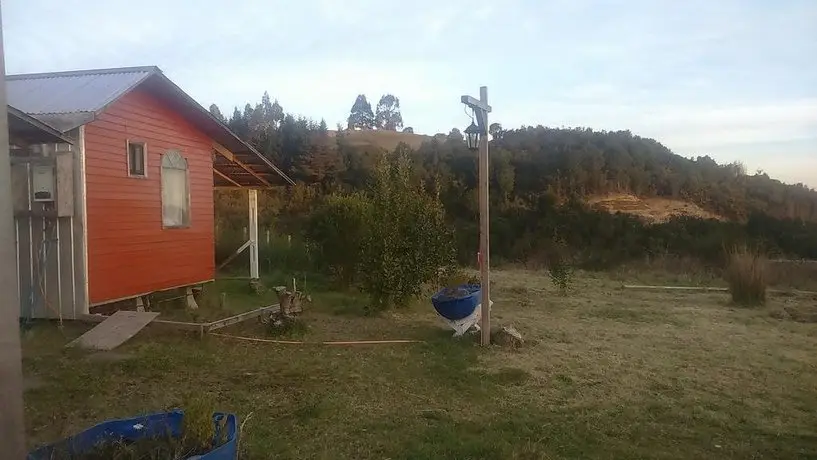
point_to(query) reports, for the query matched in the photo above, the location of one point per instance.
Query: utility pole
(481, 109)
(12, 431)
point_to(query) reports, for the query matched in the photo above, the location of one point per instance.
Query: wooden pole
(481, 109)
(484, 223)
(12, 431)
(253, 224)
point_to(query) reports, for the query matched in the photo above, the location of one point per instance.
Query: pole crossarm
(480, 107)
(475, 103)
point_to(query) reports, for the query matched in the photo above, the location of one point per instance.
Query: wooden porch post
(253, 224)
(12, 430)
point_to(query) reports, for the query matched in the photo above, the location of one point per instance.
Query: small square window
(137, 159)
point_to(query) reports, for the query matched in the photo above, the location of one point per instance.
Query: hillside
(527, 165)
(582, 162)
(649, 209)
(607, 196)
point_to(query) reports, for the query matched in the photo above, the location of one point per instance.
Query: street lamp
(472, 135)
(476, 136)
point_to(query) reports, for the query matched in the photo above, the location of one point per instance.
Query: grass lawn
(607, 374)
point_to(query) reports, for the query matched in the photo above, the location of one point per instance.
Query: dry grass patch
(731, 383)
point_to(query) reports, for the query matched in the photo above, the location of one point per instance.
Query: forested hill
(527, 163)
(586, 162)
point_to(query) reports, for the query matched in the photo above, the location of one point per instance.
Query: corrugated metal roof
(66, 100)
(72, 92)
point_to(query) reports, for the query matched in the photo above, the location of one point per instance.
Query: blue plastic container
(457, 303)
(146, 426)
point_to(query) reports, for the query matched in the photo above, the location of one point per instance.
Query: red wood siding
(129, 252)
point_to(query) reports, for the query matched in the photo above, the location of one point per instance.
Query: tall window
(175, 190)
(137, 159)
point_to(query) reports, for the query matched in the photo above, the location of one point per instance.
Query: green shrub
(561, 275)
(746, 275)
(286, 253)
(391, 241)
(408, 240)
(337, 229)
(197, 425)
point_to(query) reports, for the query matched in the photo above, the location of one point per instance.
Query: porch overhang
(26, 130)
(245, 169)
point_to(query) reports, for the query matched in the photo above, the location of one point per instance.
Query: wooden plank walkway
(115, 330)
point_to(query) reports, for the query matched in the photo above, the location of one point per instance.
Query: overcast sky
(736, 79)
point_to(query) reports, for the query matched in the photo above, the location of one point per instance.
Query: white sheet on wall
(175, 204)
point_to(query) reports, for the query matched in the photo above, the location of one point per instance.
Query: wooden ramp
(115, 330)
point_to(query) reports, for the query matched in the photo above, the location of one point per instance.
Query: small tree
(361, 115)
(408, 239)
(455, 136)
(496, 131)
(387, 115)
(558, 265)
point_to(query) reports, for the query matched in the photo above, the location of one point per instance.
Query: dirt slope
(653, 210)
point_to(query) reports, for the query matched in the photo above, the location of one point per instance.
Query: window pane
(174, 197)
(136, 159)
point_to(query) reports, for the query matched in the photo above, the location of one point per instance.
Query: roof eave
(49, 134)
(249, 148)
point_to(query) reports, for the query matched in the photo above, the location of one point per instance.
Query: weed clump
(746, 275)
(559, 268)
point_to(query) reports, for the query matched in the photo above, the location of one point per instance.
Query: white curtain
(175, 197)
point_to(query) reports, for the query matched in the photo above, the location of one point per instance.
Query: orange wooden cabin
(145, 158)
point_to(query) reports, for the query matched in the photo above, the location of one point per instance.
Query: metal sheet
(45, 264)
(65, 184)
(19, 187)
(69, 92)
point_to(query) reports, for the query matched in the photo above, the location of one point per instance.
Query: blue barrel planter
(457, 303)
(146, 426)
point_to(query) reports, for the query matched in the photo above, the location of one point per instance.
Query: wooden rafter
(223, 151)
(255, 174)
(225, 177)
(226, 153)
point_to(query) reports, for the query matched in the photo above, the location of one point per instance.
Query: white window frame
(144, 145)
(162, 167)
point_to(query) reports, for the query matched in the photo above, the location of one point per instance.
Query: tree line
(539, 179)
(387, 115)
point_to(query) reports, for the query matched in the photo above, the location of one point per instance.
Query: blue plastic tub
(459, 305)
(146, 426)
